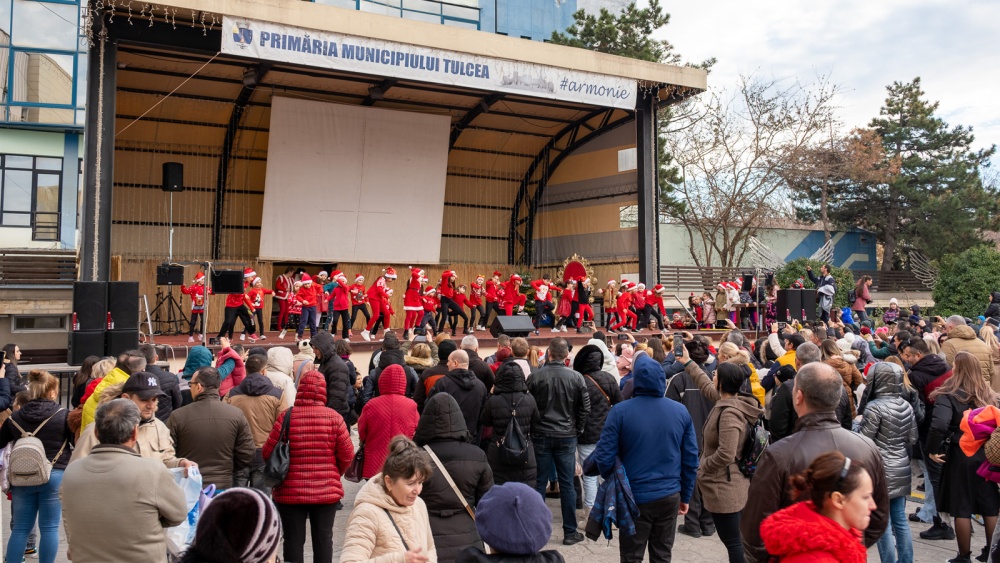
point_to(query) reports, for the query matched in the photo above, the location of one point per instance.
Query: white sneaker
(262, 337)
(243, 337)
(281, 336)
(190, 339)
(555, 330)
(366, 335)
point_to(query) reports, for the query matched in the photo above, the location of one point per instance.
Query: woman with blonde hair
(731, 353)
(990, 338)
(419, 358)
(962, 492)
(389, 522)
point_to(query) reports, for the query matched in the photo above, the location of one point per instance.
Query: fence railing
(34, 267)
(693, 278)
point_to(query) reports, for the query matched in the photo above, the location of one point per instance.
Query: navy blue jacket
(653, 436)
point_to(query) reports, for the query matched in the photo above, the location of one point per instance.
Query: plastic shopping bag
(180, 536)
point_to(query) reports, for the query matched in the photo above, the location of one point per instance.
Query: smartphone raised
(678, 346)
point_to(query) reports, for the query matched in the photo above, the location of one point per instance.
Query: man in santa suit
(308, 297)
(282, 292)
(359, 300)
(475, 302)
(240, 305)
(413, 308)
(197, 293)
(512, 296)
(543, 299)
(494, 292)
(378, 298)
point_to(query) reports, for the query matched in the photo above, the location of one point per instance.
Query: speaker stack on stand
(105, 320)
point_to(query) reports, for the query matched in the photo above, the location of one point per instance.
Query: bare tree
(731, 153)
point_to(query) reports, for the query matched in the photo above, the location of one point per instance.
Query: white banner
(282, 43)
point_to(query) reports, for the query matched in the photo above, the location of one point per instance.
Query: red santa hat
(624, 282)
(641, 286)
(611, 282)
(389, 272)
(429, 290)
(358, 278)
(448, 274)
(497, 274)
(200, 276)
(417, 271)
(722, 285)
(515, 277)
(659, 288)
(323, 274)
(338, 275)
(249, 273)
(257, 281)
(631, 286)
(306, 279)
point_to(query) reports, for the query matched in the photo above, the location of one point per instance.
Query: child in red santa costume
(308, 297)
(430, 304)
(197, 293)
(544, 289)
(413, 308)
(584, 311)
(494, 296)
(512, 296)
(628, 317)
(283, 293)
(340, 304)
(240, 305)
(461, 299)
(256, 293)
(359, 300)
(477, 293)
(565, 308)
(450, 310)
(378, 298)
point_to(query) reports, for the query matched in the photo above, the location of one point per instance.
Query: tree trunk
(891, 234)
(824, 217)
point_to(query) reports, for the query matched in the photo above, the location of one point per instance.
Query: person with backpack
(722, 475)
(509, 414)
(42, 448)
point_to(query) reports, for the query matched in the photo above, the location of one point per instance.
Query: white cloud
(862, 45)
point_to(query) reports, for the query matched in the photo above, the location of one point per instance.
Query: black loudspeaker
(83, 343)
(789, 305)
(90, 305)
(167, 274)
(173, 177)
(227, 281)
(123, 305)
(747, 283)
(119, 341)
(513, 326)
(809, 305)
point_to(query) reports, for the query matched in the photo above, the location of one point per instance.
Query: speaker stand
(168, 312)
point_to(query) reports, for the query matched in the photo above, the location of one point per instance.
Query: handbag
(992, 448)
(356, 470)
(276, 466)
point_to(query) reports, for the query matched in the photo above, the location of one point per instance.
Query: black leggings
(362, 309)
(541, 308)
(337, 317)
(259, 316)
(199, 318)
(728, 526)
(449, 312)
(230, 321)
(472, 315)
(293, 524)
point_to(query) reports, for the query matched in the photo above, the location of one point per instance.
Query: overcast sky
(863, 45)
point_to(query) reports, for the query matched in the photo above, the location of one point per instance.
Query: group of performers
(331, 302)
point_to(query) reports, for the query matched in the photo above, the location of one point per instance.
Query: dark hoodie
(54, 435)
(443, 428)
(602, 388)
(469, 393)
(993, 311)
(922, 374)
(337, 376)
(256, 385)
(397, 357)
(510, 396)
(654, 438)
(431, 375)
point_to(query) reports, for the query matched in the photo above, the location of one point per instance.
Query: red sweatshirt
(310, 295)
(358, 296)
(476, 293)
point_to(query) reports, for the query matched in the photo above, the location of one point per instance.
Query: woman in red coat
(826, 527)
(320, 450)
(384, 417)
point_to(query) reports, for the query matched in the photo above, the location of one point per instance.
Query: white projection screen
(353, 184)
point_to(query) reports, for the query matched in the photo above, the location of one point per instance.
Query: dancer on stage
(430, 304)
(240, 305)
(494, 295)
(324, 287)
(378, 299)
(413, 308)
(544, 290)
(461, 299)
(512, 296)
(584, 312)
(475, 301)
(450, 311)
(256, 294)
(283, 292)
(611, 304)
(565, 309)
(627, 317)
(340, 305)
(197, 293)
(359, 300)
(308, 297)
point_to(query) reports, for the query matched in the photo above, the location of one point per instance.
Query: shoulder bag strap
(599, 388)
(448, 478)
(298, 374)
(393, 520)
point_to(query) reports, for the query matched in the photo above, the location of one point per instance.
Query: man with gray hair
(115, 490)
(783, 417)
(816, 394)
(963, 338)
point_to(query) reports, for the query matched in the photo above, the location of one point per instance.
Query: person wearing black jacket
(337, 376)
(563, 406)
(993, 310)
(442, 427)
(391, 354)
(12, 355)
(468, 391)
(170, 384)
(510, 398)
(482, 370)
(604, 394)
(431, 375)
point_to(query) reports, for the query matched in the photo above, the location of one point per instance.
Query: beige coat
(154, 442)
(116, 504)
(964, 339)
(371, 536)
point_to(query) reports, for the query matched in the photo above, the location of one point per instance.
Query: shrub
(965, 281)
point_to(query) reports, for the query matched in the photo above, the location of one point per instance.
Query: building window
(30, 193)
(41, 323)
(628, 217)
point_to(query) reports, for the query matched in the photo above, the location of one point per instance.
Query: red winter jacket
(430, 304)
(476, 293)
(238, 373)
(238, 299)
(492, 291)
(341, 298)
(385, 417)
(320, 447)
(799, 534)
(445, 289)
(309, 296)
(358, 296)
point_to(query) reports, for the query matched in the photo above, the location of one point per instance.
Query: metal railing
(693, 278)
